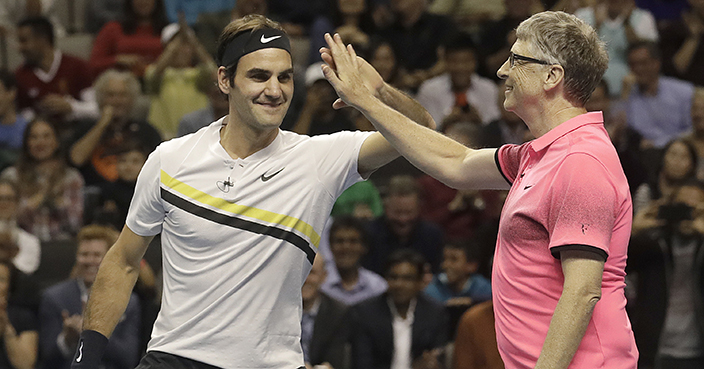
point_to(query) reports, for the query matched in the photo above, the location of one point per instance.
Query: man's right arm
(113, 286)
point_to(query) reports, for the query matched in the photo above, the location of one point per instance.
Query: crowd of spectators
(405, 267)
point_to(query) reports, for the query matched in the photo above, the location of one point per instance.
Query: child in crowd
(459, 283)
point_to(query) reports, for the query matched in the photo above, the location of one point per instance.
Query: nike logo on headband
(266, 40)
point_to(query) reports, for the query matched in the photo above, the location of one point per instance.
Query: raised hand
(352, 77)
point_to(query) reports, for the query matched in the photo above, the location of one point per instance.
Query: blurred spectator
(12, 125)
(382, 57)
(216, 109)
(116, 196)
(352, 19)
(51, 192)
(417, 38)
(459, 284)
(175, 81)
(657, 107)
(100, 12)
(95, 141)
(667, 262)
(325, 324)
(19, 342)
(625, 139)
(132, 43)
(29, 249)
(361, 200)
(475, 345)
(696, 137)
(210, 25)
(50, 82)
(508, 129)
(460, 91)
(317, 116)
(460, 213)
(60, 311)
(678, 165)
(402, 227)
(665, 11)
(498, 36)
(191, 9)
(469, 15)
(295, 16)
(401, 328)
(619, 24)
(683, 45)
(348, 282)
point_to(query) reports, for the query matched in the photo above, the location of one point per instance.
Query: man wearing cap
(240, 206)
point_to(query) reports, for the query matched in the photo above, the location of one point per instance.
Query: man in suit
(324, 323)
(60, 310)
(401, 328)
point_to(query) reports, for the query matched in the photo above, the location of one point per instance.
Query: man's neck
(459, 284)
(650, 88)
(548, 116)
(402, 309)
(241, 141)
(349, 277)
(47, 60)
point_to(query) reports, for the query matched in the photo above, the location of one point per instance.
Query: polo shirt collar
(259, 155)
(564, 128)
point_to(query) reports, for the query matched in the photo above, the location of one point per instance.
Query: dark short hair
(41, 26)
(8, 79)
(470, 249)
(349, 222)
(410, 256)
(652, 47)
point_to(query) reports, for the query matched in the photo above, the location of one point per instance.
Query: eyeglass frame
(512, 57)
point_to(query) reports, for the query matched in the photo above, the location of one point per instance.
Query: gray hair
(564, 39)
(101, 82)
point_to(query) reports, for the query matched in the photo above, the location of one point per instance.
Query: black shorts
(162, 360)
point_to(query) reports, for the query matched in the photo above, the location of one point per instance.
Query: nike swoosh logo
(80, 353)
(266, 40)
(527, 187)
(265, 178)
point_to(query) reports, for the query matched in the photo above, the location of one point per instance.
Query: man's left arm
(583, 272)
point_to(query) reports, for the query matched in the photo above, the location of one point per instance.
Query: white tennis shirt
(238, 238)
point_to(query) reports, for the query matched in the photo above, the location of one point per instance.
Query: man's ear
(554, 77)
(224, 81)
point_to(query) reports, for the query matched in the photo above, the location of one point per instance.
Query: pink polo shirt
(568, 188)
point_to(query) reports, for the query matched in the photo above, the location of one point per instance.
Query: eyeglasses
(513, 57)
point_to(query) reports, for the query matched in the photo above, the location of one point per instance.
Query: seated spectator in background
(383, 58)
(49, 82)
(677, 165)
(460, 91)
(666, 261)
(348, 282)
(100, 12)
(60, 319)
(95, 142)
(416, 37)
(116, 196)
(191, 9)
(352, 19)
(317, 116)
(29, 249)
(133, 42)
(619, 24)
(361, 201)
(50, 192)
(19, 340)
(475, 344)
(216, 109)
(469, 15)
(696, 137)
(459, 212)
(459, 283)
(683, 44)
(175, 81)
(12, 125)
(325, 324)
(295, 16)
(402, 227)
(401, 328)
(210, 24)
(508, 129)
(657, 107)
(497, 36)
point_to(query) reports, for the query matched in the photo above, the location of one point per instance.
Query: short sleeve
(146, 213)
(582, 204)
(337, 157)
(508, 160)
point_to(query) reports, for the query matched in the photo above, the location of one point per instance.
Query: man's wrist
(89, 353)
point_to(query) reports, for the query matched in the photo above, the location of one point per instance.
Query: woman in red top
(132, 43)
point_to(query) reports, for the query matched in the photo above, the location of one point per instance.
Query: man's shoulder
(61, 290)
(681, 87)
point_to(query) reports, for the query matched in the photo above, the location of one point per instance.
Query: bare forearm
(406, 105)
(683, 58)
(110, 293)
(21, 348)
(83, 148)
(567, 328)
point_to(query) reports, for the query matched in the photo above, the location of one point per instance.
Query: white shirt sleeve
(146, 213)
(337, 156)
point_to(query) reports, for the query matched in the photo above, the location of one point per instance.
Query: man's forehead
(272, 59)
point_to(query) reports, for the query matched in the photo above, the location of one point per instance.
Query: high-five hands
(353, 78)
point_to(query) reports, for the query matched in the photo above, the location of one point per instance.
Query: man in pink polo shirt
(559, 268)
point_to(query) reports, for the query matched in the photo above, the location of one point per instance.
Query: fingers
(339, 104)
